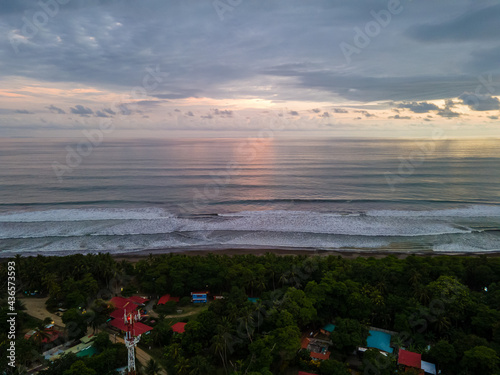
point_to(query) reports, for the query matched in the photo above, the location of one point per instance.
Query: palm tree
(442, 324)
(21, 370)
(422, 294)
(199, 366)
(182, 366)
(40, 334)
(222, 340)
(152, 367)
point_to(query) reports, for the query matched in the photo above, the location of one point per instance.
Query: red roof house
(166, 298)
(409, 358)
(179, 327)
(124, 304)
(138, 300)
(321, 356)
(139, 327)
(52, 335)
(304, 343)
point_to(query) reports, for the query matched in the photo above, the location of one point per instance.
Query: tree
(261, 354)
(332, 367)
(300, 306)
(199, 365)
(79, 368)
(182, 366)
(480, 360)
(162, 333)
(443, 353)
(40, 334)
(451, 296)
(98, 314)
(102, 341)
(348, 335)
(76, 325)
(376, 363)
(152, 367)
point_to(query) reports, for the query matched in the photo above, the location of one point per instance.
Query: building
(199, 297)
(179, 327)
(50, 334)
(414, 360)
(328, 329)
(318, 348)
(125, 306)
(167, 298)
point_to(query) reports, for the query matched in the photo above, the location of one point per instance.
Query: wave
(85, 214)
(85, 222)
(106, 229)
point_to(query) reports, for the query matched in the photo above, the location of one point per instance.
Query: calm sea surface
(57, 197)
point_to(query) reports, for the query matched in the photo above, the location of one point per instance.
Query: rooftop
(179, 327)
(329, 327)
(409, 358)
(167, 298)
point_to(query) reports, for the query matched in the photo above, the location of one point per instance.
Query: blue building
(199, 297)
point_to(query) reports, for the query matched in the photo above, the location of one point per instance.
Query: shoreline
(134, 256)
(285, 251)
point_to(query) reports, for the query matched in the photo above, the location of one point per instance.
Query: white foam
(471, 211)
(134, 223)
(84, 214)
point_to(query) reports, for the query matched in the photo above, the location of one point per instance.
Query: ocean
(62, 196)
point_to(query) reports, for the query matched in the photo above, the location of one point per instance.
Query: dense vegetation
(447, 308)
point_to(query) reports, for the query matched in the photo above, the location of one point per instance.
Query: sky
(250, 68)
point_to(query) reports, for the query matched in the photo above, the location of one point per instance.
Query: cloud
(24, 111)
(110, 48)
(325, 115)
(190, 114)
(109, 111)
(447, 112)
(124, 110)
(54, 109)
(177, 110)
(339, 110)
(478, 102)
(81, 110)
(471, 25)
(150, 103)
(398, 117)
(493, 117)
(101, 114)
(223, 112)
(422, 107)
(209, 116)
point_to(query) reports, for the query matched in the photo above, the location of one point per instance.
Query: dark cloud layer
(81, 110)
(277, 51)
(473, 24)
(54, 109)
(421, 107)
(478, 102)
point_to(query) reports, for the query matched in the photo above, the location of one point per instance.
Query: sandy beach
(348, 254)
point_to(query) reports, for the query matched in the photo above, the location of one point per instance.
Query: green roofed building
(328, 328)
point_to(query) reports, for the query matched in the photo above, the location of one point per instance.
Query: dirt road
(36, 308)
